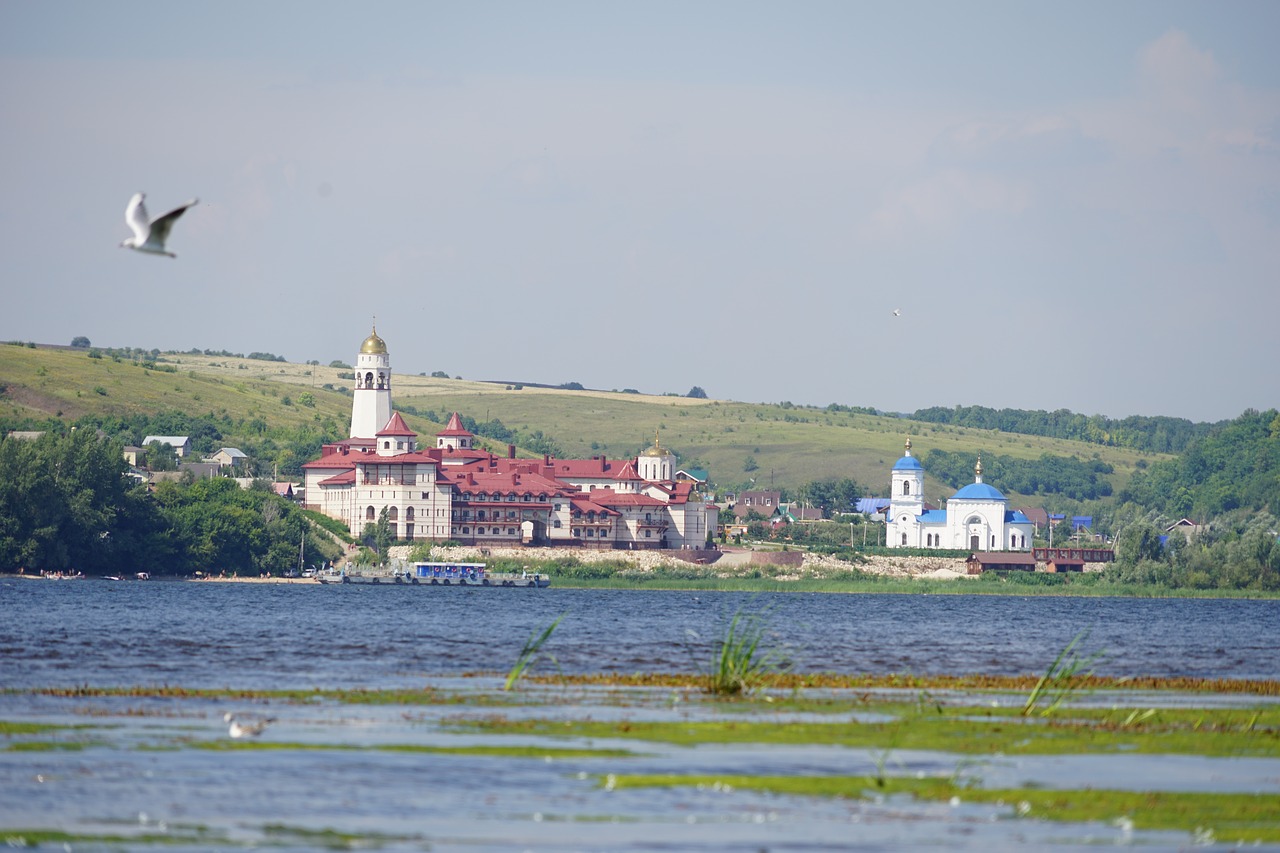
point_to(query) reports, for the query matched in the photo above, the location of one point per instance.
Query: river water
(127, 774)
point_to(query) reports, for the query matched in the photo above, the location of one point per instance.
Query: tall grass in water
(529, 654)
(1061, 680)
(739, 664)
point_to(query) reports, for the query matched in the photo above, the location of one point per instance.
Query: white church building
(456, 490)
(976, 518)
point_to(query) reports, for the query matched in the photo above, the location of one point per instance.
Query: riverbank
(734, 563)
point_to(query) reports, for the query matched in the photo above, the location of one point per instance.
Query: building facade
(976, 518)
(458, 491)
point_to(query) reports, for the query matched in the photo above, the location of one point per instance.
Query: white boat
(437, 574)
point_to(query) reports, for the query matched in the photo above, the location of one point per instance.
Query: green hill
(787, 445)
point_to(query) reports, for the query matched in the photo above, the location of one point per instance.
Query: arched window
(904, 539)
(906, 487)
(392, 513)
(408, 514)
(369, 514)
(368, 380)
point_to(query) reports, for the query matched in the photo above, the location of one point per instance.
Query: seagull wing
(136, 216)
(160, 227)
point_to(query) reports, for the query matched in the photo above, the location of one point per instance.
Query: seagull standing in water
(149, 234)
(242, 726)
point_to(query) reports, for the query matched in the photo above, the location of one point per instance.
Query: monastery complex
(455, 490)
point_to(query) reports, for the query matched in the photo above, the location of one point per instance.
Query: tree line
(68, 504)
(1065, 476)
(1157, 434)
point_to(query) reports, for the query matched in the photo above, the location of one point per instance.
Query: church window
(906, 487)
(393, 513)
(556, 524)
(904, 539)
(511, 531)
(369, 514)
(368, 380)
(408, 514)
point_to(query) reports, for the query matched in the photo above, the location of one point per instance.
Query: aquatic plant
(529, 654)
(1065, 677)
(739, 665)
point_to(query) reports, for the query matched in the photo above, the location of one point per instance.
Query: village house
(181, 444)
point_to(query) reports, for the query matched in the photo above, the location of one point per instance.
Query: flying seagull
(897, 312)
(149, 234)
(246, 726)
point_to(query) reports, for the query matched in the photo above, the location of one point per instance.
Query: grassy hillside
(790, 446)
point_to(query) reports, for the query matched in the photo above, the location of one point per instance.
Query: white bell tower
(371, 403)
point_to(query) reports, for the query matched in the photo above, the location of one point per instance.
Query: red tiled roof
(454, 426)
(584, 504)
(343, 479)
(396, 426)
(597, 466)
(628, 472)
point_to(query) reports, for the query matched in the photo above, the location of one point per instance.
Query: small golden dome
(374, 344)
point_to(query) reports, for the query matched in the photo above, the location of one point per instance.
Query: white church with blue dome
(977, 517)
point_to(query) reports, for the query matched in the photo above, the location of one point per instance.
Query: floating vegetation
(1226, 817)
(1207, 732)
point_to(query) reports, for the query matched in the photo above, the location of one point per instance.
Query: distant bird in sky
(897, 312)
(149, 235)
(246, 726)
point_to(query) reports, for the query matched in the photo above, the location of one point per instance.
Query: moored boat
(437, 574)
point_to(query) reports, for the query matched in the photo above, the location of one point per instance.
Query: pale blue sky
(1074, 205)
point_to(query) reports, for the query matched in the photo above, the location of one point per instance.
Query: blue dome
(978, 492)
(908, 463)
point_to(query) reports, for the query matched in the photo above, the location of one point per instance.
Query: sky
(1072, 205)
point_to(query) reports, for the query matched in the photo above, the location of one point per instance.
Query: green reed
(530, 653)
(1066, 676)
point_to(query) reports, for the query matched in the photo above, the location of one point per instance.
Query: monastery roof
(396, 426)
(586, 504)
(608, 497)
(505, 482)
(596, 466)
(333, 460)
(347, 477)
(908, 463)
(454, 426)
(628, 472)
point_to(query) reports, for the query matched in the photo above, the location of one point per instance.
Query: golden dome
(374, 344)
(656, 450)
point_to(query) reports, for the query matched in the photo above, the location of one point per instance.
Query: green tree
(378, 535)
(80, 342)
(697, 393)
(65, 503)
